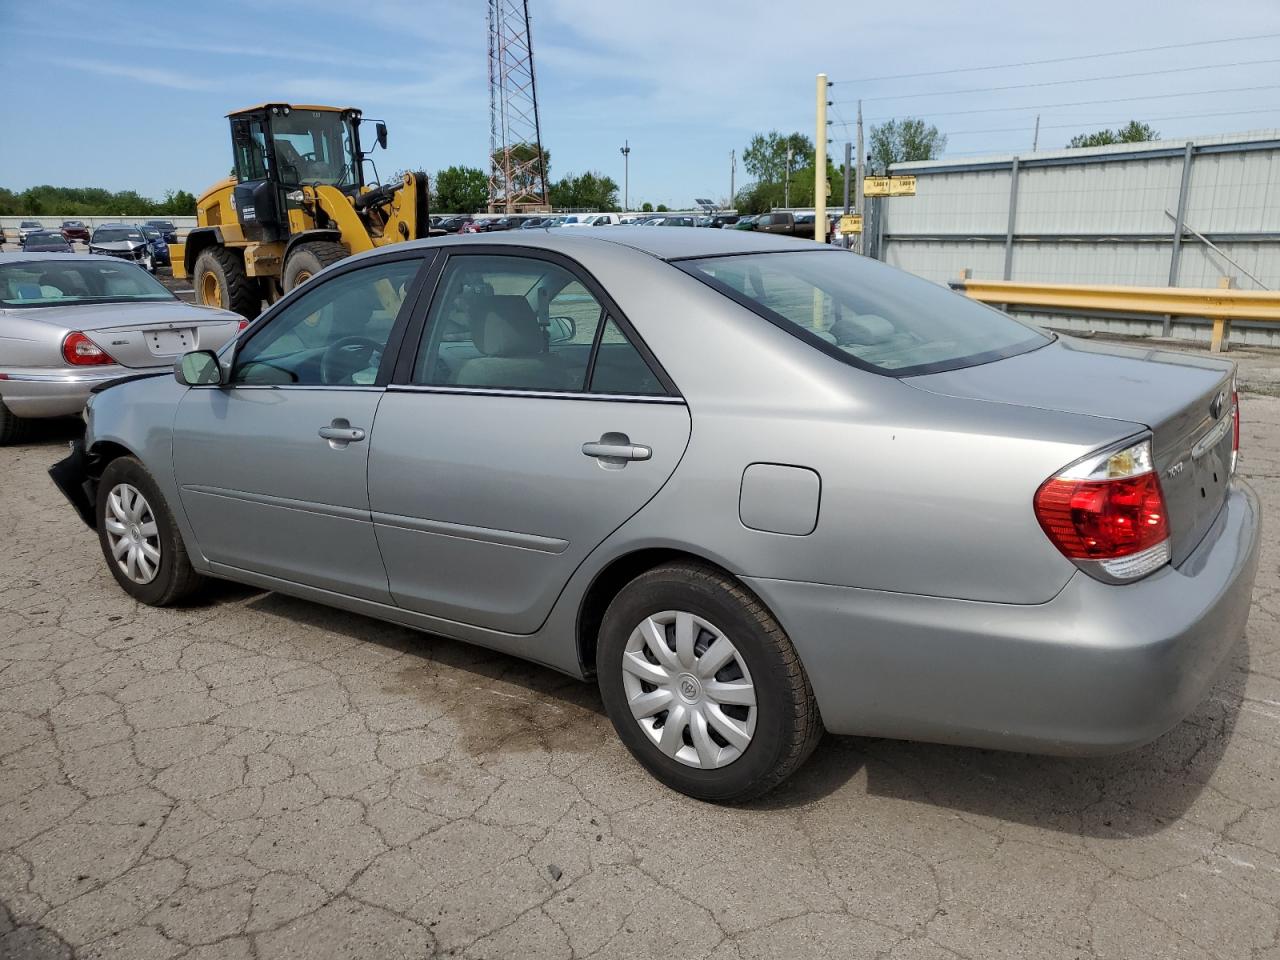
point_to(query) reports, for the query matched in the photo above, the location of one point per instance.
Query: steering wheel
(346, 357)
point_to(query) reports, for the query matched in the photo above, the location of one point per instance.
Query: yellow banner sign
(851, 223)
(889, 186)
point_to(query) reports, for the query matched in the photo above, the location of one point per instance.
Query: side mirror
(381, 128)
(561, 329)
(199, 368)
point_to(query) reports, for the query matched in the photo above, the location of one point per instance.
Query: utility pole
(820, 166)
(848, 153)
(786, 182)
(733, 171)
(859, 199)
(625, 150)
(1035, 140)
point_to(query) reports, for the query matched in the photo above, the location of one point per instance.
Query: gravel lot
(257, 776)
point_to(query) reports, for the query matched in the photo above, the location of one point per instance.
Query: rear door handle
(616, 449)
(340, 433)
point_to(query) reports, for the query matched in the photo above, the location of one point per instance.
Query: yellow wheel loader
(296, 202)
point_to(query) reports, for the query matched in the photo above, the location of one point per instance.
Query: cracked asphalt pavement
(260, 777)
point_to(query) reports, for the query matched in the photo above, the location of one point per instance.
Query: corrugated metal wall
(1095, 215)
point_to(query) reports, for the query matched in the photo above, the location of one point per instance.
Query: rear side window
(521, 323)
(866, 313)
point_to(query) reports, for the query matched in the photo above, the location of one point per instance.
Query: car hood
(1094, 378)
(101, 316)
(121, 245)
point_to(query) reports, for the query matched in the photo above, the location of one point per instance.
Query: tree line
(463, 189)
(47, 200)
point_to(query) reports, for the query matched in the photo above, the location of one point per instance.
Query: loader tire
(220, 281)
(308, 259)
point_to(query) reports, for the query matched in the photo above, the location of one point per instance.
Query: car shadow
(1136, 793)
(55, 430)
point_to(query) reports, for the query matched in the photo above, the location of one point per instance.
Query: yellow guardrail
(1221, 305)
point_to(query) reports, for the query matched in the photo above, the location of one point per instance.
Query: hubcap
(689, 689)
(132, 533)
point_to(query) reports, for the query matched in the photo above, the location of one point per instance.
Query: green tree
(1132, 132)
(898, 141)
(178, 203)
(587, 191)
(645, 207)
(662, 208)
(765, 157)
(460, 189)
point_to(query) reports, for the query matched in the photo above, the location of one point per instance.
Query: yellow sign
(889, 187)
(851, 223)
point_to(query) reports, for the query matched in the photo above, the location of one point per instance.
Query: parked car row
(163, 231)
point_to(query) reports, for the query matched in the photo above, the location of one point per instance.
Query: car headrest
(866, 329)
(505, 326)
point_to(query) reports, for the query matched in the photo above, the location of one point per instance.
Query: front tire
(703, 686)
(13, 429)
(219, 280)
(140, 539)
(308, 259)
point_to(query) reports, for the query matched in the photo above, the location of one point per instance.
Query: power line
(1060, 83)
(1085, 56)
(1097, 123)
(1088, 103)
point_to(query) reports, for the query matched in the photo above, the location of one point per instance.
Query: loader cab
(280, 147)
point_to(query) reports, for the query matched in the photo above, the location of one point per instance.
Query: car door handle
(340, 433)
(616, 449)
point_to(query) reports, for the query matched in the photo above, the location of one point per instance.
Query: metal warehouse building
(1095, 215)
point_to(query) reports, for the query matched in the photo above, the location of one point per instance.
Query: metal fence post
(1013, 213)
(1179, 220)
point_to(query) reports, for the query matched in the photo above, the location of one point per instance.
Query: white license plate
(169, 343)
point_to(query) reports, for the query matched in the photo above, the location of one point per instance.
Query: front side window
(520, 323)
(42, 283)
(867, 313)
(250, 140)
(333, 335)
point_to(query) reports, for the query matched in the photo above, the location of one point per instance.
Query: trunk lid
(1184, 400)
(140, 335)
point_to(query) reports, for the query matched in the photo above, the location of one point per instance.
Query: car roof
(665, 243)
(19, 257)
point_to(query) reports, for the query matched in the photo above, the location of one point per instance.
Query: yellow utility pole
(820, 166)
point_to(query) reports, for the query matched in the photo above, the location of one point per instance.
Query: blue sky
(131, 95)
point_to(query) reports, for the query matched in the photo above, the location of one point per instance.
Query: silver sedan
(754, 488)
(69, 323)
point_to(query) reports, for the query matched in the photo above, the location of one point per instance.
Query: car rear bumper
(1098, 669)
(53, 393)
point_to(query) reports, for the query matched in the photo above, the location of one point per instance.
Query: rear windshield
(866, 313)
(44, 283)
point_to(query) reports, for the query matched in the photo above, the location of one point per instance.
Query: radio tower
(518, 175)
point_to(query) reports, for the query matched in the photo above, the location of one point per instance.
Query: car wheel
(140, 540)
(13, 429)
(703, 686)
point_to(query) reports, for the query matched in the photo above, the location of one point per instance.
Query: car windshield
(43, 283)
(866, 313)
(161, 224)
(46, 236)
(314, 146)
(31, 223)
(114, 234)
(151, 232)
(73, 223)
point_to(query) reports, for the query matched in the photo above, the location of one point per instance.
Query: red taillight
(1103, 519)
(79, 350)
(1107, 513)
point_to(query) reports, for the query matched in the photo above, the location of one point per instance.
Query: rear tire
(308, 259)
(13, 429)
(749, 742)
(220, 281)
(157, 582)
